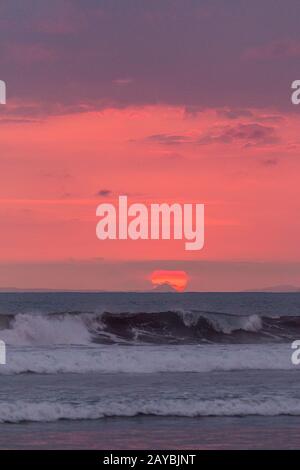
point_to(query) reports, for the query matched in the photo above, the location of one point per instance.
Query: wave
(47, 411)
(44, 330)
(170, 327)
(148, 359)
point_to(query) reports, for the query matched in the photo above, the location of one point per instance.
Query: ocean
(149, 371)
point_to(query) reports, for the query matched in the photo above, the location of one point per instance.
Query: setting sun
(175, 279)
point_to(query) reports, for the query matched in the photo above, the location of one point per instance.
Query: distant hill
(165, 287)
(278, 288)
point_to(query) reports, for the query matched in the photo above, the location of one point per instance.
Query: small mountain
(165, 287)
(279, 288)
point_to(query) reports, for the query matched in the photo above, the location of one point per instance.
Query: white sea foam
(147, 359)
(45, 411)
(33, 329)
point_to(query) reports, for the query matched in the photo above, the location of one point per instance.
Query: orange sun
(174, 279)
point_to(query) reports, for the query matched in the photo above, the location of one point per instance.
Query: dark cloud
(168, 139)
(104, 192)
(70, 56)
(249, 134)
(193, 110)
(270, 162)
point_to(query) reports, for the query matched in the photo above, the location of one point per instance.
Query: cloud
(92, 56)
(18, 121)
(193, 110)
(168, 139)
(36, 112)
(285, 48)
(104, 192)
(270, 162)
(235, 113)
(30, 53)
(249, 134)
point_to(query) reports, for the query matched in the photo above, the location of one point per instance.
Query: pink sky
(197, 110)
(54, 173)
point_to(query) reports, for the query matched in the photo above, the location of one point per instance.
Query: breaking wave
(170, 327)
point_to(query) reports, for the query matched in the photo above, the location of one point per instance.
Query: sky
(170, 101)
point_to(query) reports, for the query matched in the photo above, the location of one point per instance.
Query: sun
(175, 279)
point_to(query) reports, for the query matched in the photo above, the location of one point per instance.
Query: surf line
(159, 222)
